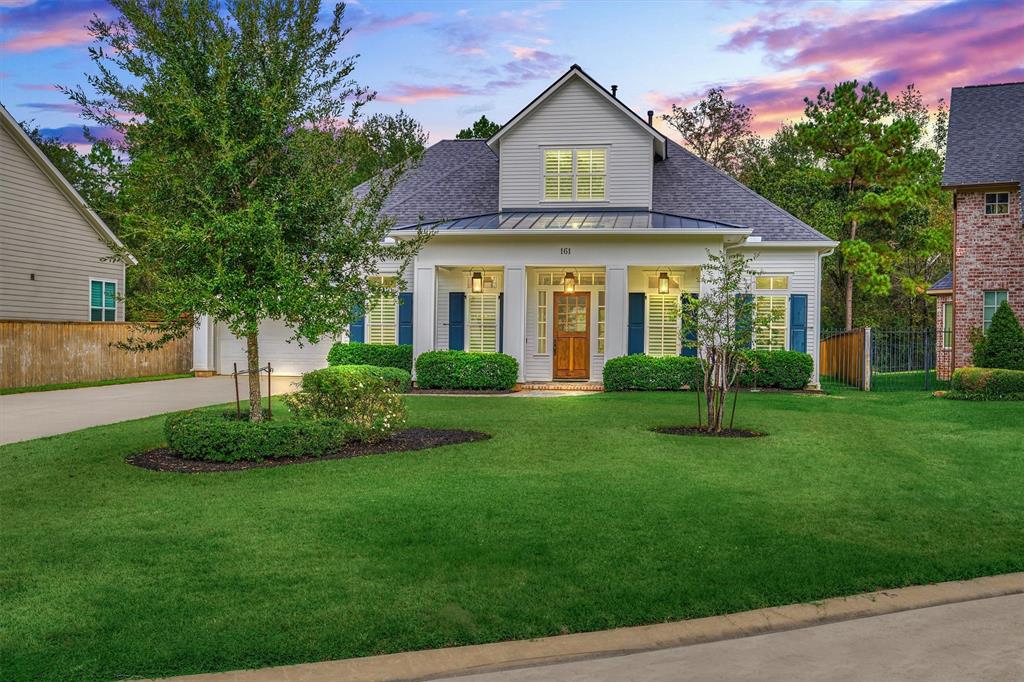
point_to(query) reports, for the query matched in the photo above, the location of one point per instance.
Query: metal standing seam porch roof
(578, 219)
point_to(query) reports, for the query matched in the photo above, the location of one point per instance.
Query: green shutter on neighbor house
(96, 301)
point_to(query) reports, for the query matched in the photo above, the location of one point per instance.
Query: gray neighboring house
(52, 245)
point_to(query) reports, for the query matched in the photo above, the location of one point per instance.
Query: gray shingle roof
(459, 179)
(944, 284)
(986, 135)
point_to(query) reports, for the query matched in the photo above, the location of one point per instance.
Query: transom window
(482, 323)
(575, 174)
(997, 203)
(992, 301)
(771, 312)
(583, 279)
(102, 300)
(662, 325)
(382, 315)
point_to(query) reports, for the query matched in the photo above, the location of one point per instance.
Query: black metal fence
(879, 359)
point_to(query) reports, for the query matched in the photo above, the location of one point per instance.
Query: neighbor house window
(997, 203)
(662, 325)
(770, 309)
(542, 321)
(574, 174)
(382, 315)
(482, 324)
(992, 301)
(947, 325)
(102, 300)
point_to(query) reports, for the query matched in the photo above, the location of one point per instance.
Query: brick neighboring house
(984, 169)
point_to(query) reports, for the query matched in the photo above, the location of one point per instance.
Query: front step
(592, 386)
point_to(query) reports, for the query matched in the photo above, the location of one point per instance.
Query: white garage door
(287, 359)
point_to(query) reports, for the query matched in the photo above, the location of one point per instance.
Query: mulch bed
(165, 459)
(697, 431)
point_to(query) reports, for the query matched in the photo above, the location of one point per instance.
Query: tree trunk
(252, 351)
(849, 282)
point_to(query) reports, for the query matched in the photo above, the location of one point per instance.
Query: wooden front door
(572, 335)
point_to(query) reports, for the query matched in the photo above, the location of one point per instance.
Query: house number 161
(565, 250)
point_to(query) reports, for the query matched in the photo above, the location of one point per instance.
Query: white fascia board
(824, 245)
(729, 232)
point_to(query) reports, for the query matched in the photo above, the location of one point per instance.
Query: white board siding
(571, 117)
(43, 234)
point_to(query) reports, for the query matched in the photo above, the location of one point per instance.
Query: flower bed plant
(460, 370)
(399, 379)
(366, 402)
(377, 354)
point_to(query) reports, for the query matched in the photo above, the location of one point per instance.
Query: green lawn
(90, 384)
(573, 517)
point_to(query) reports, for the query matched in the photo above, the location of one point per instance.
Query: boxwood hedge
(461, 370)
(786, 369)
(376, 354)
(646, 373)
(979, 383)
(222, 437)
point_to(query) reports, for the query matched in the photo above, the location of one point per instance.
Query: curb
(435, 663)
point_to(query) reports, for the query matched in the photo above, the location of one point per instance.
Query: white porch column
(513, 335)
(423, 311)
(616, 311)
(202, 347)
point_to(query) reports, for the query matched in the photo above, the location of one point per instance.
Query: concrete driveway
(25, 416)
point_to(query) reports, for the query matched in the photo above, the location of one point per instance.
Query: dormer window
(574, 174)
(997, 203)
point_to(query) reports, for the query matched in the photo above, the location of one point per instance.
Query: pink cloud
(369, 23)
(408, 93)
(934, 46)
(41, 40)
(37, 86)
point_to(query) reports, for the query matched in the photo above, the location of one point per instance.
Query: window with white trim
(102, 300)
(382, 315)
(992, 301)
(482, 323)
(947, 325)
(771, 311)
(997, 203)
(662, 325)
(575, 174)
(542, 321)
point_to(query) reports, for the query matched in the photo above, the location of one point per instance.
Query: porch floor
(561, 386)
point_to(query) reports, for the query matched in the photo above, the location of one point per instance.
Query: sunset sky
(446, 63)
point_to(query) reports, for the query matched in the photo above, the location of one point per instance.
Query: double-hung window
(575, 174)
(947, 325)
(770, 307)
(997, 203)
(992, 301)
(382, 315)
(482, 323)
(102, 300)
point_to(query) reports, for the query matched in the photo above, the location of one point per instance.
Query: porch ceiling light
(569, 283)
(663, 283)
(477, 282)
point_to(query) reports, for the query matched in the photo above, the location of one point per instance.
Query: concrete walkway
(972, 629)
(24, 416)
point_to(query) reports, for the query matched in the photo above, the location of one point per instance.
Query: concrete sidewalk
(971, 629)
(24, 416)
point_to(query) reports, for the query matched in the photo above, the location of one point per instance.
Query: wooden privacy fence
(38, 353)
(845, 358)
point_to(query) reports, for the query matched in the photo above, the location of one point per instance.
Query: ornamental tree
(1002, 346)
(237, 195)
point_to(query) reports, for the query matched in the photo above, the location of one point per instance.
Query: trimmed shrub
(369, 404)
(787, 369)
(222, 437)
(982, 383)
(460, 370)
(646, 373)
(399, 379)
(1002, 346)
(376, 354)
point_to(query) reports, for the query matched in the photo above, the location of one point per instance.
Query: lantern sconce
(569, 283)
(663, 283)
(477, 282)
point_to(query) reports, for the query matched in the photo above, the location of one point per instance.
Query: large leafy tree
(238, 190)
(482, 129)
(871, 150)
(715, 128)
(384, 142)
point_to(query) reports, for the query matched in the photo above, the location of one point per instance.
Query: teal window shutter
(745, 322)
(405, 318)
(357, 328)
(96, 301)
(501, 322)
(635, 323)
(691, 335)
(798, 322)
(456, 320)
